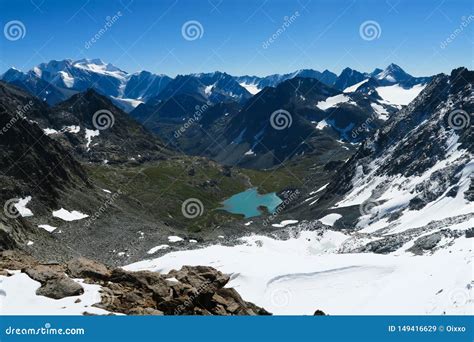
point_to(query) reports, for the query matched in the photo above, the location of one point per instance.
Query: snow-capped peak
(100, 67)
(96, 61)
(393, 73)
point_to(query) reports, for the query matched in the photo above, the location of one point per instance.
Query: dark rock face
(118, 138)
(145, 85)
(26, 153)
(187, 122)
(348, 77)
(32, 163)
(251, 140)
(115, 136)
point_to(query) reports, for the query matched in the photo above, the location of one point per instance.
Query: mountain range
(56, 81)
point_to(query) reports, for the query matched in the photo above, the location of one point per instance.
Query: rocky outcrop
(426, 243)
(85, 268)
(192, 290)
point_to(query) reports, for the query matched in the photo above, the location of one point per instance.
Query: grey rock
(426, 243)
(58, 288)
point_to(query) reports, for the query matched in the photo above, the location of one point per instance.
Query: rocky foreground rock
(192, 290)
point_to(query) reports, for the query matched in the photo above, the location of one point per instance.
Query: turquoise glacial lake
(247, 202)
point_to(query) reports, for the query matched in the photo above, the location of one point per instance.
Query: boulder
(58, 288)
(201, 277)
(54, 282)
(43, 273)
(425, 243)
(85, 268)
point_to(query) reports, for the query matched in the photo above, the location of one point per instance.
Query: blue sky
(323, 34)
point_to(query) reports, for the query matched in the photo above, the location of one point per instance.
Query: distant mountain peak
(348, 77)
(12, 74)
(393, 66)
(393, 73)
(96, 61)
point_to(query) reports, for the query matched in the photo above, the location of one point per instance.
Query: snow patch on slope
(251, 88)
(302, 274)
(381, 112)
(330, 219)
(332, 101)
(66, 215)
(89, 135)
(354, 87)
(21, 207)
(397, 95)
(47, 227)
